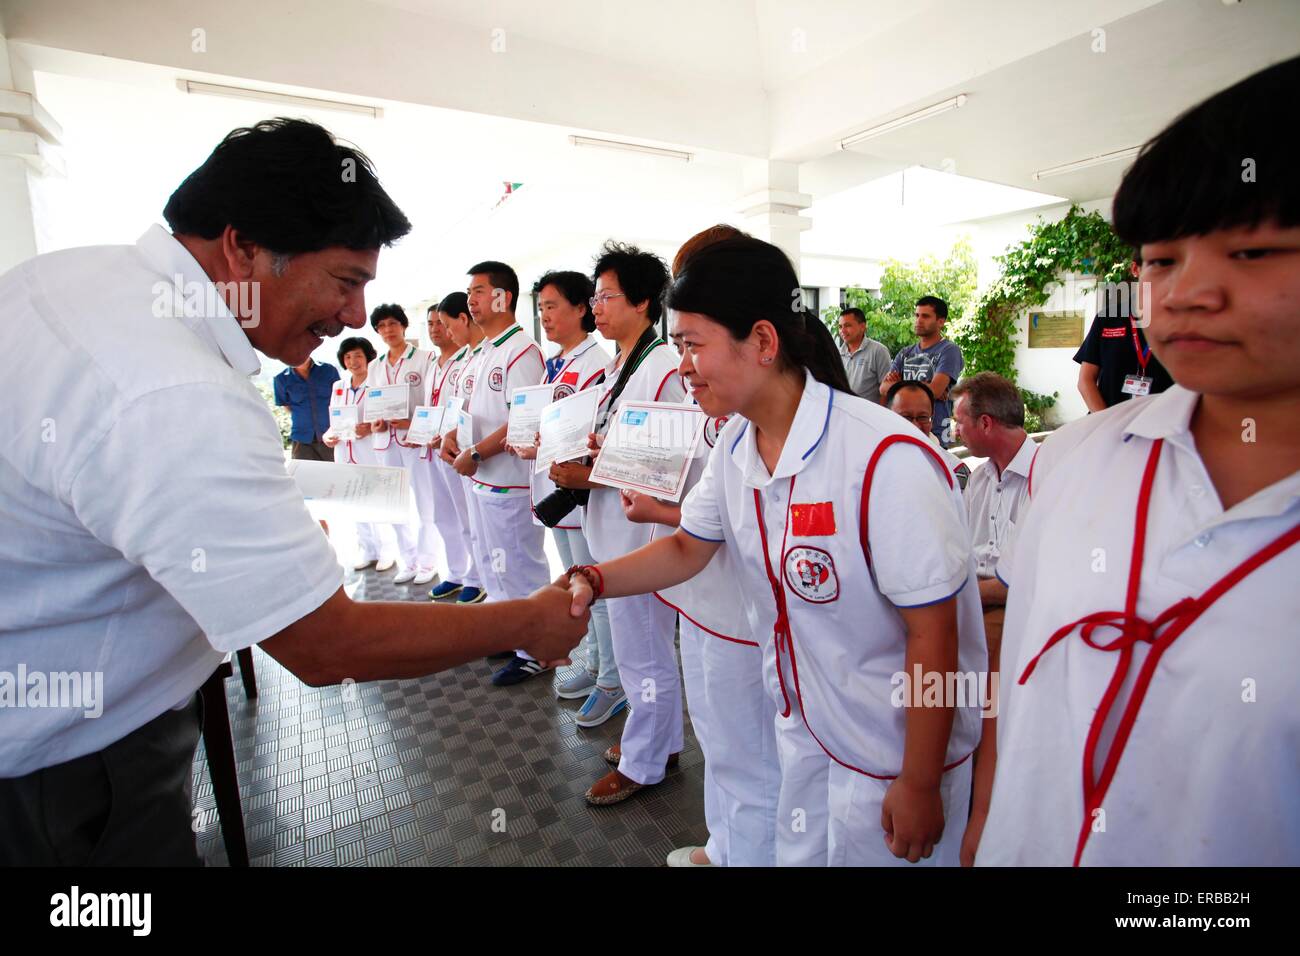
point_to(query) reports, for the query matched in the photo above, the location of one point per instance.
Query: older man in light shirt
(990, 417)
(866, 361)
(147, 524)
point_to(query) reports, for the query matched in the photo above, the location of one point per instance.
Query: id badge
(1137, 385)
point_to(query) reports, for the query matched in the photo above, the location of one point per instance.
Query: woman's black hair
(1228, 162)
(641, 275)
(357, 342)
(388, 311)
(737, 282)
(576, 288)
(454, 304)
(287, 185)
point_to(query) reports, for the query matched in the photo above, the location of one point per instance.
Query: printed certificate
(526, 406)
(343, 422)
(648, 448)
(565, 426)
(426, 424)
(387, 403)
(376, 493)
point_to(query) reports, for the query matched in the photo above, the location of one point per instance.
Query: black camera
(559, 504)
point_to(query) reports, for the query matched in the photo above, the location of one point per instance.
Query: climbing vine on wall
(1079, 242)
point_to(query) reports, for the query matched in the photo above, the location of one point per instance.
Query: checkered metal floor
(444, 770)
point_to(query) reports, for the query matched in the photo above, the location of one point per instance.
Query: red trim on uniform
(1132, 628)
(782, 625)
(707, 630)
(1029, 478)
(870, 474)
(782, 632)
(531, 345)
(583, 387)
(659, 390)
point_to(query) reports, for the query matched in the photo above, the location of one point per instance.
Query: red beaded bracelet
(593, 577)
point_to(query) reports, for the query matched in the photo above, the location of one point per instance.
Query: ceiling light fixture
(952, 103)
(310, 102)
(631, 147)
(1101, 160)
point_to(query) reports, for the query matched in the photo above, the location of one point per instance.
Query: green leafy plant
(281, 415)
(889, 314)
(1079, 242)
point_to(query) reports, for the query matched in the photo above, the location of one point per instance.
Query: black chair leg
(247, 673)
(220, 750)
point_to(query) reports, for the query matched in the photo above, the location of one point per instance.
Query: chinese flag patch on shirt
(812, 519)
(569, 378)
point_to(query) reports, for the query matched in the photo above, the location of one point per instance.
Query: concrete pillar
(771, 202)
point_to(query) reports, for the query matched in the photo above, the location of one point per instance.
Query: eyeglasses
(604, 297)
(918, 419)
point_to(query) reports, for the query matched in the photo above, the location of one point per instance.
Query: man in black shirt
(1113, 354)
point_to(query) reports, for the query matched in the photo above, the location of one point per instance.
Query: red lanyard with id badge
(1139, 384)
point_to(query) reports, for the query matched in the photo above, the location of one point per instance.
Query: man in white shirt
(990, 417)
(147, 524)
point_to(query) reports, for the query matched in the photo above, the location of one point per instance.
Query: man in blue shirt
(933, 360)
(305, 391)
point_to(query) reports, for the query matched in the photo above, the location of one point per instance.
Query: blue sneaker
(517, 671)
(471, 596)
(600, 706)
(444, 590)
(577, 687)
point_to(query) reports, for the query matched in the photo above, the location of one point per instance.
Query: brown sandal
(612, 788)
(615, 753)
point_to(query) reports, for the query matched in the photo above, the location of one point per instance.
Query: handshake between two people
(563, 612)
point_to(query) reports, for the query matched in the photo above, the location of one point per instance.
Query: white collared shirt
(147, 525)
(994, 503)
(1209, 775)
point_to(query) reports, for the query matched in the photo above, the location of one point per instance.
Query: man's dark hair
(856, 313)
(1226, 163)
(501, 276)
(454, 304)
(357, 342)
(940, 307)
(388, 311)
(899, 386)
(576, 289)
(641, 275)
(288, 186)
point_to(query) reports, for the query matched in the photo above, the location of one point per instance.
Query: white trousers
(828, 815)
(451, 515)
(642, 628)
(418, 543)
(510, 548)
(734, 721)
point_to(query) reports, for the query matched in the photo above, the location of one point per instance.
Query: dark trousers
(130, 804)
(311, 451)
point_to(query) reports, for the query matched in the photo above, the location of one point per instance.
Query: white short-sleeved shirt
(509, 361)
(582, 368)
(609, 534)
(799, 531)
(994, 503)
(1209, 775)
(147, 524)
(411, 370)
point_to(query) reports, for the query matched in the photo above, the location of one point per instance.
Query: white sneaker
(682, 857)
(363, 564)
(384, 564)
(424, 577)
(404, 576)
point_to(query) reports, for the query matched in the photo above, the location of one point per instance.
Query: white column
(29, 137)
(771, 202)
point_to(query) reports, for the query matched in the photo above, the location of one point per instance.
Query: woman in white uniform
(855, 570)
(629, 284)
(1150, 637)
(355, 355)
(404, 364)
(563, 302)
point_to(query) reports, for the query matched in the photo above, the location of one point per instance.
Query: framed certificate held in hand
(649, 447)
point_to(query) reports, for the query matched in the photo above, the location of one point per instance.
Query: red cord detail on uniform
(1160, 634)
